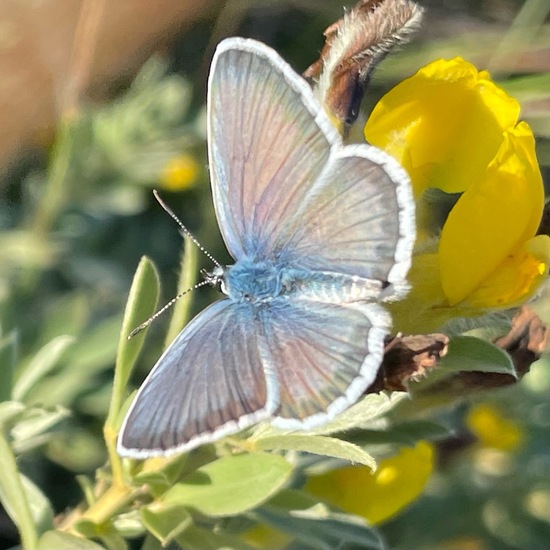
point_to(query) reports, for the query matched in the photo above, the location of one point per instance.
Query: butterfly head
(215, 277)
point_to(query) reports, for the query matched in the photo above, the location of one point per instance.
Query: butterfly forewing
(268, 142)
(209, 383)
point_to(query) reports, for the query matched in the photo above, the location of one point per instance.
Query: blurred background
(100, 102)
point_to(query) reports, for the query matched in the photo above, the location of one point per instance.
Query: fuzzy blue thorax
(253, 282)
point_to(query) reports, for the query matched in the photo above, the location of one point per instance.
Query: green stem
(55, 192)
(14, 496)
(113, 501)
(187, 279)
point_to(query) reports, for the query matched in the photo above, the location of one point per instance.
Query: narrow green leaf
(14, 497)
(467, 353)
(188, 278)
(97, 351)
(232, 484)
(40, 507)
(8, 357)
(317, 444)
(9, 411)
(141, 304)
(165, 521)
(41, 364)
(36, 421)
(65, 541)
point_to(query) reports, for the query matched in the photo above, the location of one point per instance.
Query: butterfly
(321, 233)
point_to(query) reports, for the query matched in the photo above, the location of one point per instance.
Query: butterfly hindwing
(208, 383)
(324, 356)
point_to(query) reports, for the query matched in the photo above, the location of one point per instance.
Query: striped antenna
(145, 324)
(185, 230)
(210, 279)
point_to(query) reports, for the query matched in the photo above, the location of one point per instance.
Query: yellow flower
(380, 495)
(444, 124)
(492, 429)
(455, 130)
(179, 173)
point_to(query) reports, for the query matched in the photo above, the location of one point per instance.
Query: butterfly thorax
(256, 282)
(252, 281)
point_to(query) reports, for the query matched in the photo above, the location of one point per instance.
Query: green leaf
(129, 525)
(40, 507)
(81, 363)
(165, 521)
(467, 353)
(232, 484)
(65, 541)
(41, 364)
(404, 433)
(371, 408)
(14, 496)
(67, 314)
(141, 304)
(196, 538)
(8, 357)
(316, 525)
(317, 444)
(160, 474)
(34, 423)
(9, 411)
(366, 411)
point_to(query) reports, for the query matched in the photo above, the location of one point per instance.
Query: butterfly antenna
(164, 308)
(185, 231)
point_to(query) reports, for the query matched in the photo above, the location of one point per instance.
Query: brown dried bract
(354, 45)
(408, 358)
(526, 341)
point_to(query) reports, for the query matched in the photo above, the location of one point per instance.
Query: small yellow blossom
(492, 429)
(180, 173)
(377, 496)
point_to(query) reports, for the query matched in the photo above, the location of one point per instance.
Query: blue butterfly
(320, 233)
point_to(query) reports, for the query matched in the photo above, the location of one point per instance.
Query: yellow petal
(422, 311)
(518, 277)
(493, 217)
(397, 482)
(444, 124)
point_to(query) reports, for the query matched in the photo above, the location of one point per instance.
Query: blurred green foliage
(76, 238)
